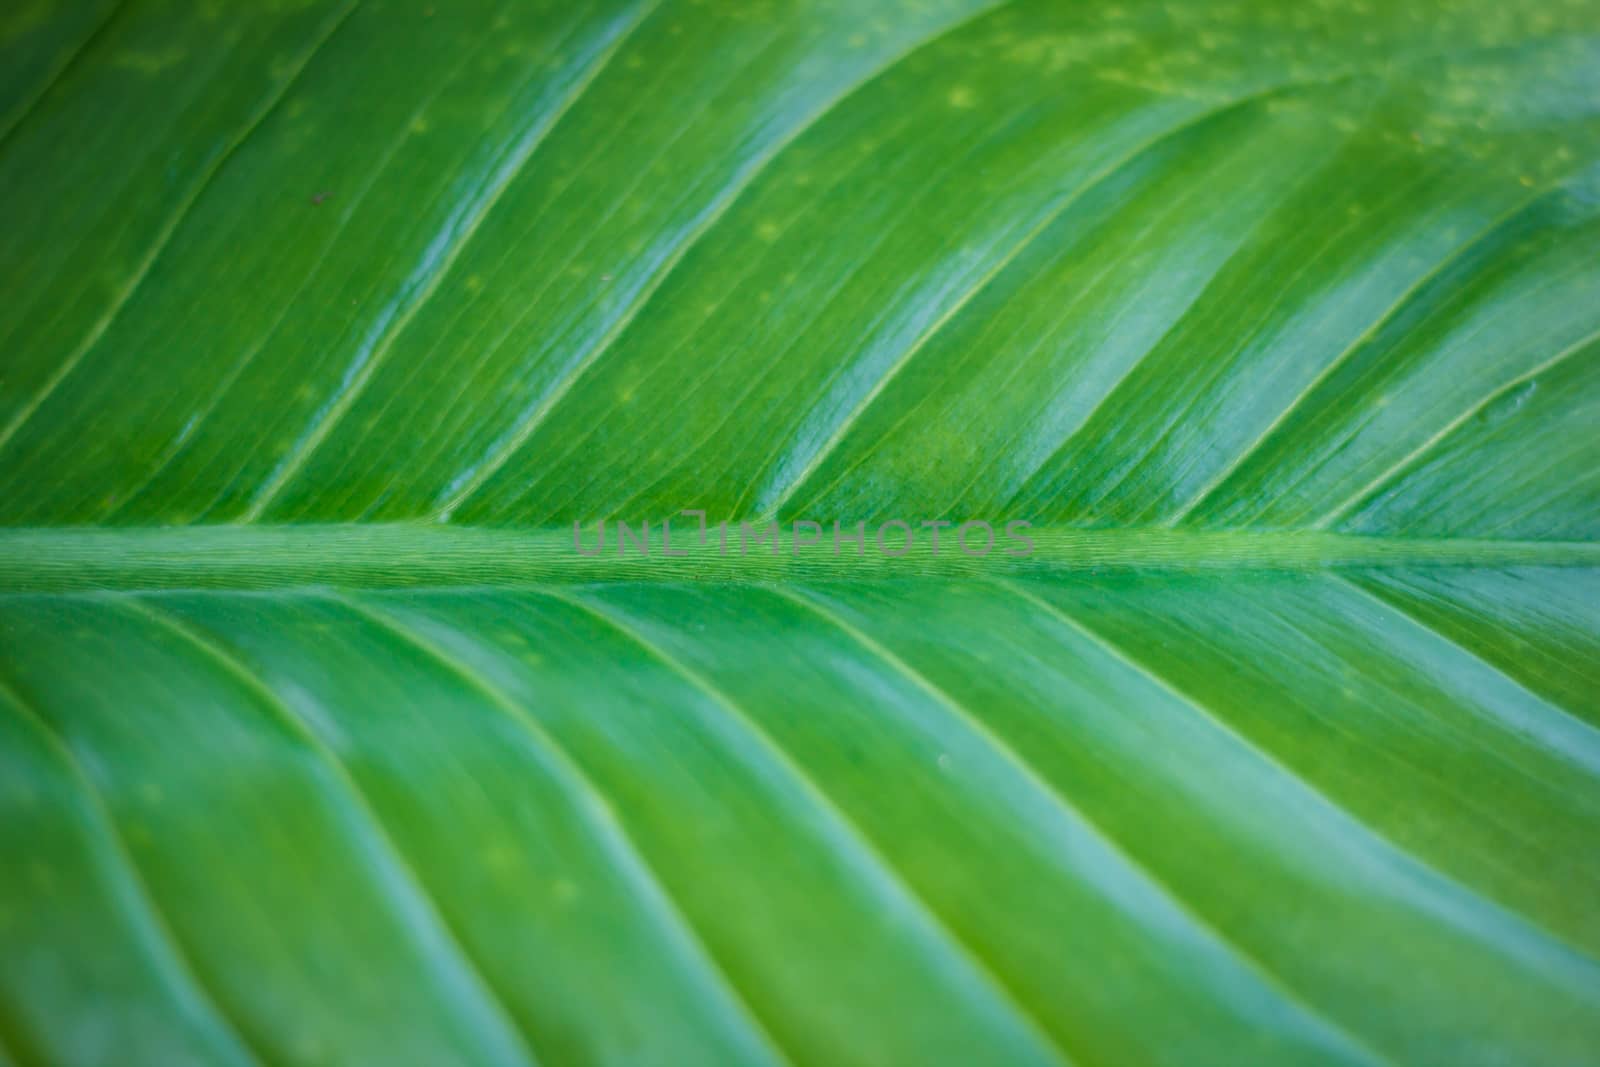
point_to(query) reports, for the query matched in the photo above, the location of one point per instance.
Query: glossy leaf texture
(324, 321)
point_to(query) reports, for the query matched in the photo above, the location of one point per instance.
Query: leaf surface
(325, 321)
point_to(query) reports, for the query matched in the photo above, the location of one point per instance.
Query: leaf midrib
(395, 555)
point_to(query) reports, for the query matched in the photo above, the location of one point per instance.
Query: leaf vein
(1580, 731)
(1407, 297)
(62, 69)
(852, 835)
(512, 442)
(164, 235)
(397, 875)
(1545, 946)
(1076, 815)
(439, 257)
(607, 826)
(123, 863)
(1416, 455)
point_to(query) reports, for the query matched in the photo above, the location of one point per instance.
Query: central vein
(68, 559)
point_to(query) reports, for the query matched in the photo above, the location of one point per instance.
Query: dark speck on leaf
(318, 198)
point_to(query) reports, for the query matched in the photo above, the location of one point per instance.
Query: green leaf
(1274, 738)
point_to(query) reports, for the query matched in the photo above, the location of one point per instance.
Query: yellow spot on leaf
(150, 63)
(500, 857)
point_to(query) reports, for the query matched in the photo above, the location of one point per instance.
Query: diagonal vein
(1571, 737)
(1411, 458)
(852, 837)
(441, 254)
(63, 67)
(1401, 302)
(1042, 224)
(1527, 939)
(164, 235)
(136, 888)
(1077, 816)
(439, 941)
(379, 167)
(630, 861)
(719, 206)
